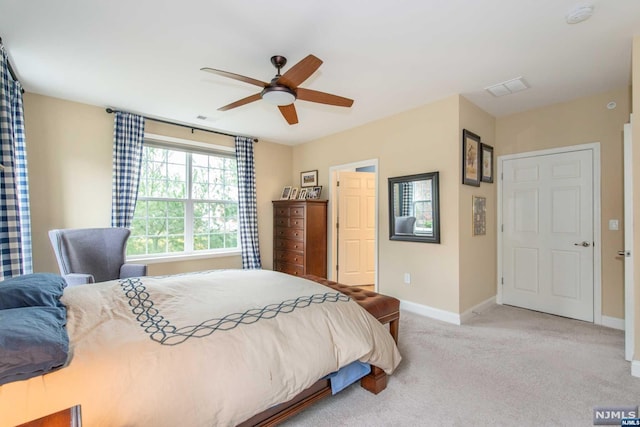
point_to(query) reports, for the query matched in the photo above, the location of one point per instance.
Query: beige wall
(477, 253)
(581, 121)
(69, 148)
(421, 140)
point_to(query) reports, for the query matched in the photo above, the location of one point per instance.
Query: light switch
(613, 224)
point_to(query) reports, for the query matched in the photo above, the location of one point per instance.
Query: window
(187, 202)
(422, 207)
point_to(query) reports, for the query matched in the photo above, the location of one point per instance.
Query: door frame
(333, 213)
(597, 250)
(629, 315)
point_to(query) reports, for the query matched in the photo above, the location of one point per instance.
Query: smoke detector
(579, 14)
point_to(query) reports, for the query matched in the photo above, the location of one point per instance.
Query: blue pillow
(33, 341)
(32, 290)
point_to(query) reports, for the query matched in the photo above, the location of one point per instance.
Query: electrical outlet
(407, 278)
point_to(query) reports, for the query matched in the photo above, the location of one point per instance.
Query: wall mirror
(414, 213)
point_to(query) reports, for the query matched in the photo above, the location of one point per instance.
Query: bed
(199, 349)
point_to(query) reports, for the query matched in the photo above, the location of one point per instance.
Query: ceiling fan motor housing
(278, 94)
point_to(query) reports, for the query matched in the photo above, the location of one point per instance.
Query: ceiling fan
(283, 89)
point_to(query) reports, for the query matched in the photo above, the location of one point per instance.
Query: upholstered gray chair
(404, 224)
(89, 255)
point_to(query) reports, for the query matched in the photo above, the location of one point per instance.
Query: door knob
(584, 244)
(624, 253)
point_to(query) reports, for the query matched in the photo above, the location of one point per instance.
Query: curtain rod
(13, 74)
(111, 110)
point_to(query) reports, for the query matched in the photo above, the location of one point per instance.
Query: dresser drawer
(285, 267)
(296, 211)
(290, 211)
(289, 233)
(291, 257)
(281, 221)
(293, 245)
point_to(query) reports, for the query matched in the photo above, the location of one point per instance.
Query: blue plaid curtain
(406, 207)
(247, 206)
(15, 217)
(128, 134)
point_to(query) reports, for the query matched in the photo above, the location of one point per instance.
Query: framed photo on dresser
(286, 192)
(294, 193)
(314, 192)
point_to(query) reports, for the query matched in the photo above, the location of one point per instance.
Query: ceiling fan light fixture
(278, 95)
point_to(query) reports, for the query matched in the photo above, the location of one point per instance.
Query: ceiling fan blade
(289, 113)
(300, 72)
(241, 102)
(235, 76)
(323, 97)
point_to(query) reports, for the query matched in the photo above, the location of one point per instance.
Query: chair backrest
(96, 251)
(404, 224)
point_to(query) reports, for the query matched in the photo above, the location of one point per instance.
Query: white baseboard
(446, 316)
(479, 308)
(613, 322)
(434, 313)
(635, 368)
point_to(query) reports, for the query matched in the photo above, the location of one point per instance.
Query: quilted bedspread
(199, 349)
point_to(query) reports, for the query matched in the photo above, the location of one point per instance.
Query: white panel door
(356, 228)
(548, 232)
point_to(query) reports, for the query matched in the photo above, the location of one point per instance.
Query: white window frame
(183, 256)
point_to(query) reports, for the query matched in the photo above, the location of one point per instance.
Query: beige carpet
(505, 367)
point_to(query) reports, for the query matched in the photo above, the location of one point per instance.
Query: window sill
(149, 259)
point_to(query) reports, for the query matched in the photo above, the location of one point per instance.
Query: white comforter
(178, 350)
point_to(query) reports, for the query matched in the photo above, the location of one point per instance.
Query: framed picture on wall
(479, 216)
(487, 163)
(309, 178)
(470, 158)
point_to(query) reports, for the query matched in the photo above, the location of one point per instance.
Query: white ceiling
(145, 56)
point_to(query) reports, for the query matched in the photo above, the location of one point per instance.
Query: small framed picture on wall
(309, 178)
(487, 163)
(470, 158)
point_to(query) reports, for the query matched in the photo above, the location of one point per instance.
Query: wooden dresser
(300, 237)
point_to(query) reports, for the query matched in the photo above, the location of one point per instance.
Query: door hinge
(502, 227)
(502, 280)
(337, 183)
(337, 268)
(337, 225)
(501, 176)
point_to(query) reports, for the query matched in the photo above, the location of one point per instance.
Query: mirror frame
(435, 203)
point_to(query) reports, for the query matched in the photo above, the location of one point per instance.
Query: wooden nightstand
(70, 417)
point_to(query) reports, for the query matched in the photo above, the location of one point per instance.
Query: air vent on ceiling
(510, 86)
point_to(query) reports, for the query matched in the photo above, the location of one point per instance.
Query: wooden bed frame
(386, 309)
